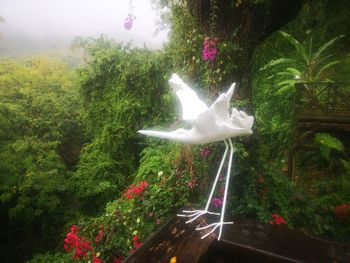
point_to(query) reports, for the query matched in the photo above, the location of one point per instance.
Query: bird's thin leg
(226, 189)
(217, 177)
(221, 223)
(197, 213)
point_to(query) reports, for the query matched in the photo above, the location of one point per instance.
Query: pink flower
(157, 221)
(129, 21)
(191, 184)
(209, 51)
(205, 151)
(217, 202)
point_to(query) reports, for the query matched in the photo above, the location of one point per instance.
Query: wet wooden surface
(271, 243)
(175, 239)
(244, 242)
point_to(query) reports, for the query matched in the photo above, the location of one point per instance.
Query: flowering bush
(209, 51)
(277, 220)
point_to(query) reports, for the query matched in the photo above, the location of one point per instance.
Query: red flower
(96, 259)
(118, 260)
(136, 243)
(277, 220)
(135, 190)
(342, 211)
(75, 243)
(222, 191)
(135, 240)
(99, 236)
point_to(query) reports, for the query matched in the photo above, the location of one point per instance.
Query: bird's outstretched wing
(220, 108)
(192, 106)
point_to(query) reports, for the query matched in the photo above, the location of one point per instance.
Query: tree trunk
(247, 25)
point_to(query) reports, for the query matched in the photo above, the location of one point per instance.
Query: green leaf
(346, 164)
(284, 89)
(325, 151)
(299, 47)
(294, 71)
(318, 53)
(329, 141)
(326, 67)
(288, 81)
(275, 62)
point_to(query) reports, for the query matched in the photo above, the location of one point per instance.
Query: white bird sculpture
(209, 124)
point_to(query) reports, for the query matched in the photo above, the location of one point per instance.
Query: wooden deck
(243, 242)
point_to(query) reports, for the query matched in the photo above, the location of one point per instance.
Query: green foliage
(328, 142)
(54, 258)
(38, 102)
(123, 90)
(305, 66)
(57, 168)
(309, 200)
(140, 215)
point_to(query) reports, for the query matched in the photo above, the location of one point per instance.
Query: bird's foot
(214, 226)
(194, 214)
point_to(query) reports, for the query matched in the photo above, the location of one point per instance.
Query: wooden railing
(245, 241)
(323, 103)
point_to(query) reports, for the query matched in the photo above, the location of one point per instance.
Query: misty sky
(65, 19)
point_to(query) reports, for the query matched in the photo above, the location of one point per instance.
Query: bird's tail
(174, 135)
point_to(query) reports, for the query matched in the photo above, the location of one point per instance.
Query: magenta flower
(129, 21)
(205, 152)
(217, 202)
(209, 51)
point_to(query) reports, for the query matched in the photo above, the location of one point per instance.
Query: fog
(57, 22)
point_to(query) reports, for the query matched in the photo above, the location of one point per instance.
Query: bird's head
(242, 119)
